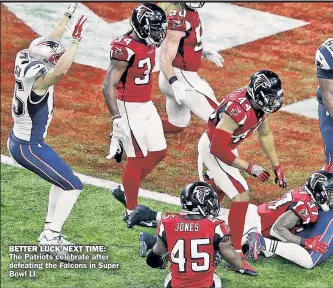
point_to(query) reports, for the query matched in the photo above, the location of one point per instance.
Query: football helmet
(320, 186)
(46, 50)
(194, 5)
(149, 22)
(265, 90)
(199, 198)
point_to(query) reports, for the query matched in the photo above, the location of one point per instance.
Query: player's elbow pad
(153, 260)
(219, 146)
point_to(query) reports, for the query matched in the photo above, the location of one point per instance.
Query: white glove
(119, 130)
(213, 56)
(179, 90)
(70, 10)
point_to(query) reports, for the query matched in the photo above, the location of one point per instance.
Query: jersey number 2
(18, 104)
(144, 63)
(178, 255)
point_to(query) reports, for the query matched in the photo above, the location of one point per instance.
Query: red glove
(258, 171)
(279, 176)
(328, 167)
(314, 244)
(79, 27)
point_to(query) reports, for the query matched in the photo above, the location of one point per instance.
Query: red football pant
(135, 171)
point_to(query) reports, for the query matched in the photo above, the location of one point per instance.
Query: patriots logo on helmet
(262, 80)
(200, 192)
(53, 45)
(144, 11)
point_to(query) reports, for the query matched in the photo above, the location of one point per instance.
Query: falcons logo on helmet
(313, 181)
(200, 193)
(53, 45)
(261, 80)
(144, 11)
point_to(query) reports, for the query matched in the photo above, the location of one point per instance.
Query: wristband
(115, 117)
(66, 14)
(173, 79)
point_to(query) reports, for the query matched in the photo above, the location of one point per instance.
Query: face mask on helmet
(194, 5)
(157, 34)
(46, 50)
(320, 187)
(266, 90)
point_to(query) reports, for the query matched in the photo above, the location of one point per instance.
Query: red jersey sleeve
(236, 112)
(307, 212)
(121, 53)
(221, 234)
(176, 21)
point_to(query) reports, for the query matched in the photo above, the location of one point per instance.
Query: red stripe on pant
(137, 149)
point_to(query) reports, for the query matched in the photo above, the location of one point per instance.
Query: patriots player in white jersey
(324, 63)
(37, 69)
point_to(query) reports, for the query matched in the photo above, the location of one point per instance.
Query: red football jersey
(238, 107)
(136, 83)
(189, 53)
(191, 244)
(297, 200)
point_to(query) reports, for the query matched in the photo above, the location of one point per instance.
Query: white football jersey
(31, 113)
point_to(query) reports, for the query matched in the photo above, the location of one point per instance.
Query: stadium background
(81, 123)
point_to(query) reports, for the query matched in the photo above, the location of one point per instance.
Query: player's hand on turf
(258, 171)
(315, 244)
(70, 10)
(213, 56)
(119, 129)
(279, 176)
(79, 27)
(179, 90)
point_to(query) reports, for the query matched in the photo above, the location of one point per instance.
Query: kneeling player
(191, 237)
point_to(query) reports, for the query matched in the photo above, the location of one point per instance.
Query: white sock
(129, 212)
(290, 251)
(63, 208)
(54, 195)
(252, 222)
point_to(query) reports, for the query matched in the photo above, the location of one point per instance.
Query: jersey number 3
(144, 63)
(178, 255)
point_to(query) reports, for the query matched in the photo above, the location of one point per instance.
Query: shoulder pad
(34, 70)
(121, 53)
(176, 21)
(236, 112)
(324, 55)
(307, 212)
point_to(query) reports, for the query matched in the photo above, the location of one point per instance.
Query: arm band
(219, 146)
(153, 260)
(173, 79)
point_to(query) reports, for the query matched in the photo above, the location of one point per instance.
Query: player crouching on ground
(298, 208)
(191, 239)
(37, 69)
(127, 90)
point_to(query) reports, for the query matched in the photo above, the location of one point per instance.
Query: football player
(180, 60)
(127, 90)
(37, 69)
(238, 116)
(191, 237)
(282, 218)
(324, 63)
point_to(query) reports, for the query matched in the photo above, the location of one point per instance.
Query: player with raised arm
(305, 209)
(127, 90)
(238, 116)
(191, 238)
(180, 60)
(324, 63)
(37, 69)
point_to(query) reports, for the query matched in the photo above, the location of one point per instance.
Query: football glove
(79, 27)
(179, 90)
(213, 56)
(315, 244)
(116, 149)
(258, 171)
(70, 10)
(279, 176)
(120, 130)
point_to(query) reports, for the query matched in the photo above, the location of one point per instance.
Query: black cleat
(142, 216)
(119, 195)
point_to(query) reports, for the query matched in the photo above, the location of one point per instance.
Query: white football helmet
(194, 5)
(46, 50)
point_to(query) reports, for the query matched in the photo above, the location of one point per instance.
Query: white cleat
(64, 241)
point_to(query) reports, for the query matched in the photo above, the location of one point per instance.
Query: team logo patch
(233, 112)
(118, 52)
(144, 11)
(200, 192)
(261, 80)
(304, 212)
(176, 24)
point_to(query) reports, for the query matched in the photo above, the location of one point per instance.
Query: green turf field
(97, 219)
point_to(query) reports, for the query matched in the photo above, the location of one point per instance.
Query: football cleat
(142, 216)
(247, 269)
(119, 195)
(63, 238)
(256, 244)
(57, 251)
(146, 242)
